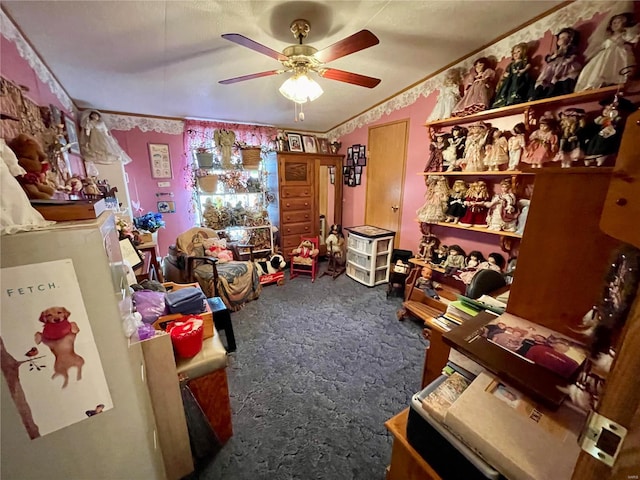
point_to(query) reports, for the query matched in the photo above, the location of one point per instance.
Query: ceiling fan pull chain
(301, 114)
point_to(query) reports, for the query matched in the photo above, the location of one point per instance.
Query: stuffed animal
(336, 244)
(32, 158)
(305, 253)
(217, 248)
(272, 265)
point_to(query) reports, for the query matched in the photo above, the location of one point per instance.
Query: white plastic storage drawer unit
(369, 254)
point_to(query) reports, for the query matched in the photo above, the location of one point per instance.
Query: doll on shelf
(448, 97)
(96, 143)
(471, 267)
(455, 204)
(543, 143)
(474, 151)
(476, 214)
(561, 69)
(516, 144)
(503, 209)
(610, 55)
(439, 142)
(440, 255)
(455, 260)
(496, 150)
(478, 89)
(603, 136)
(572, 132)
(425, 283)
(428, 246)
(516, 82)
(454, 153)
(436, 196)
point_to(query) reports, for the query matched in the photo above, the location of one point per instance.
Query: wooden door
(385, 175)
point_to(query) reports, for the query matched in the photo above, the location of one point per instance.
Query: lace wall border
(11, 33)
(567, 16)
(145, 124)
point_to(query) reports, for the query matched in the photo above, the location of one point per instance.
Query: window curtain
(199, 134)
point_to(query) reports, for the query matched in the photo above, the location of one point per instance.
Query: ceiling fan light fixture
(300, 88)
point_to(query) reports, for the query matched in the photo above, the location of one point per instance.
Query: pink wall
(143, 188)
(16, 69)
(417, 154)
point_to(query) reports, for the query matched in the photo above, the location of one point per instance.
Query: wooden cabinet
(306, 196)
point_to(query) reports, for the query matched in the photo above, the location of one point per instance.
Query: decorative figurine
(96, 143)
(455, 260)
(478, 89)
(543, 143)
(428, 247)
(436, 197)
(455, 204)
(503, 212)
(496, 150)
(558, 76)
(572, 131)
(425, 283)
(603, 137)
(516, 83)
(474, 152)
(456, 148)
(477, 196)
(516, 144)
(610, 55)
(448, 97)
(336, 245)
(439, 141)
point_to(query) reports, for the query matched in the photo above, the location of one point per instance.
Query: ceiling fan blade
(249, 77)
(258, 47)
(356, 42)
(349, 77)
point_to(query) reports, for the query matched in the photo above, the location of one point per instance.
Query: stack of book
(456, 314)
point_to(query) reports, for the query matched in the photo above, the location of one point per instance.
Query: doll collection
(556, 138)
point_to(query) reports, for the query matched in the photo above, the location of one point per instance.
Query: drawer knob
(621, 202)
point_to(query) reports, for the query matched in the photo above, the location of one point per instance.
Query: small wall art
(160, 160)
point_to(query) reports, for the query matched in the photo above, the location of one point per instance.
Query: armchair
(236, 281)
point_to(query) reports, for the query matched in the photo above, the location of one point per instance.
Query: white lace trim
(11, 33)
(567, 16)
(146, 124)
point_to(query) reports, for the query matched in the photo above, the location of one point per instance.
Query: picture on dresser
(309, 142)
(295, 142)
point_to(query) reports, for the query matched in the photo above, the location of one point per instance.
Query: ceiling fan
(301, 59)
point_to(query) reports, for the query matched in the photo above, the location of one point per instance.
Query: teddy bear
(32, 158)
(336, 244)
(217, 248)
(305, 253)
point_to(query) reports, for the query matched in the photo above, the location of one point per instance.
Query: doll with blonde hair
(515, 83)
(477, 196)
(436, 196)
(496, 150)
(448, 97)
(455, 204)
(502, 213)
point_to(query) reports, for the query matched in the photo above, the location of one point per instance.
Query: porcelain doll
(603, 137)
(561, 69)
(455, 259)
(436, 196)
(448, 97)
(523, 206)
(439, 141)
(425, 283)
(516, 82)
(494, 261)
(474, 151)
(456, 148)
(96, 143)
(543, 143)
(440, 255)
(572, 132)
(428, 247)
(516, 144)
(502, 213)
(471, 267)
(455, 204)
(476, 214)
(496, 150)
(478, 89)
(449, 155)
(610, 56)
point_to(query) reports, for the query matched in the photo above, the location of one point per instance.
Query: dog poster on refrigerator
(49, 357)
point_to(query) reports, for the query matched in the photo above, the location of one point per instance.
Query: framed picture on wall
(160, 160)
(72, 134)
(362, 157)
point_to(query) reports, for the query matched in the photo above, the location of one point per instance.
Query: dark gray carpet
(319, 368)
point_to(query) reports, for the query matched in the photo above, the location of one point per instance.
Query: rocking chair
(303, 260)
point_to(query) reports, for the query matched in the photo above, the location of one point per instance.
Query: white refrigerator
(115, 438)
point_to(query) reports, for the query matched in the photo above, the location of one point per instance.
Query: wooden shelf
(549, 103)
(478, 229)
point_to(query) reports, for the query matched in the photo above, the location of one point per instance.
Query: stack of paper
(438, 402)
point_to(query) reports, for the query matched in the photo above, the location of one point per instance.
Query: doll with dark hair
(543, 143)
(455, 204)
(610, 56)
(516, 145)
(455, 151)
(428, 246)
(455, 259)
(439, 142)
(515, 84)
(496, 150)
(559, 74)
(474, 259)
(439, 255)
(478, 89)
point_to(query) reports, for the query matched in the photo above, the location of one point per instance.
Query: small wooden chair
(305, 261)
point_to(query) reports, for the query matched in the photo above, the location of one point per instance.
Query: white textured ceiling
(166, 57)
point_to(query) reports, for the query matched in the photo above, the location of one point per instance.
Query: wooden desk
(406, 463)
(152, 249)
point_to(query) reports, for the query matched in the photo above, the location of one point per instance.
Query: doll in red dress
(543, 143)
(479, 89)
(475, 201)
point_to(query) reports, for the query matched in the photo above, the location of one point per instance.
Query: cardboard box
(67, 210)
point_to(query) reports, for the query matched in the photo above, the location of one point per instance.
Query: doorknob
(395, 208)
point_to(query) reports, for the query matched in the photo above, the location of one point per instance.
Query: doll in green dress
(515, 83)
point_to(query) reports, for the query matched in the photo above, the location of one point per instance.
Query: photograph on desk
(438, 402)
(536, 344)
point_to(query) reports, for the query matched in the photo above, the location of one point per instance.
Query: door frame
(398, 228)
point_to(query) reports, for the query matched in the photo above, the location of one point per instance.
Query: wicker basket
(251, 158)
(205, 160)
(208, 184)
